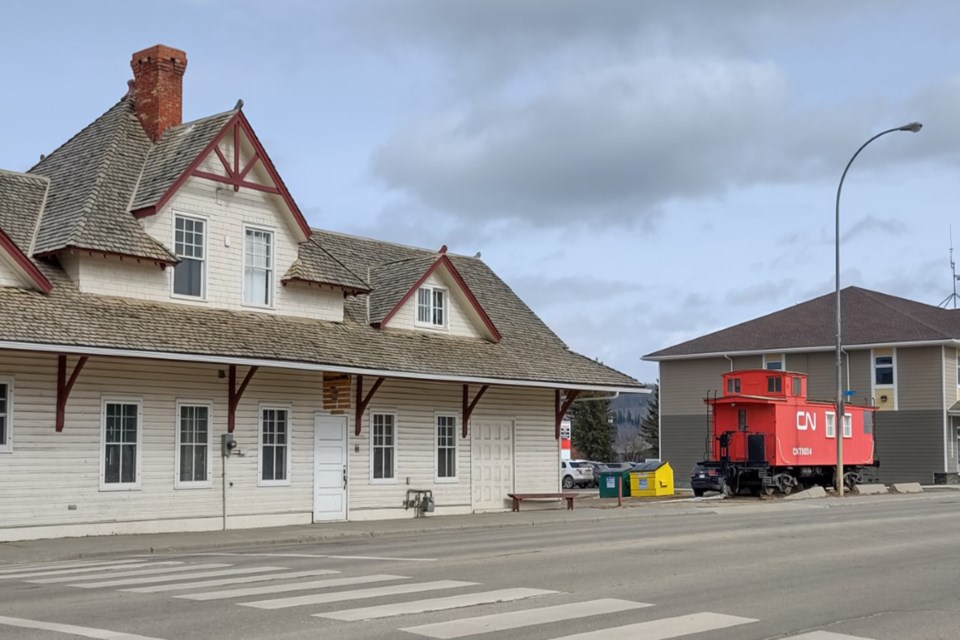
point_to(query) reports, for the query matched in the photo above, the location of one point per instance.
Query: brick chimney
(158, 88)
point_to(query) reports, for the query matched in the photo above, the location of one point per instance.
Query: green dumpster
(608, 483)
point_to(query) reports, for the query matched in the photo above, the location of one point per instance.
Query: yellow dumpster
(653, 478)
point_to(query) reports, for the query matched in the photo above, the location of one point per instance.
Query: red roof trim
(259, 153)
(458, 279)
(22, 261)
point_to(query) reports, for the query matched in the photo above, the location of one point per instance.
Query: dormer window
(431, 307)
(189, 245)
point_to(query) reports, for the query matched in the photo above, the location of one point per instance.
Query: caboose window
(742, 419)
(733, 385)
(883, 370)
(795, 386)
(831, 428)
(847, 425)
(774, 384)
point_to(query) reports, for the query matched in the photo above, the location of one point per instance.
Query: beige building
(160, 290)
(899, 355)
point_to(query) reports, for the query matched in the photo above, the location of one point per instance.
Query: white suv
(576, 472)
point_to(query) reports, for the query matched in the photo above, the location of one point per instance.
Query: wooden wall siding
(951, 392)
(747, 362)
(920, 378)
(909, 445)
(685, 383)
(860, 375)
(9, 277)
(821, 370)
(459, 322)
(683, 443)
(536, 454)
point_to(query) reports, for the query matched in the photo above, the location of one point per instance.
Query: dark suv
(705, 477)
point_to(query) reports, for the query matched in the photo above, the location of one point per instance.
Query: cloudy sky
(640, 172)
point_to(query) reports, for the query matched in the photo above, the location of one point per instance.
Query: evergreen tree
(650, 426)
(593, 429)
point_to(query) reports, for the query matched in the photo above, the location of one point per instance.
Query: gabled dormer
(427, 294)
(192, 213)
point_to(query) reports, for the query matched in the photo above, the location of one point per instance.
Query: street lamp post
(913, 127)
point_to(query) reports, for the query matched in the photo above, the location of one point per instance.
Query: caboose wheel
(769, 491)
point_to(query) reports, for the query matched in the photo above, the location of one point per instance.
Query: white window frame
(206, 256)
(874, 387)
(775, 357)
(830, 425)
(7, 447)
(194, 484)
(273, 267)
(446, 307)
(437, 478)
(847, 425)
(273, 406)
(396, 474)
(120, 486)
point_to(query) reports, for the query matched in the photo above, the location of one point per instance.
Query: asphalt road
(749, 570)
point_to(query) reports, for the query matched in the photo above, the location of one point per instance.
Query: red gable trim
(458, 279)
(22, 261)
(237, 122)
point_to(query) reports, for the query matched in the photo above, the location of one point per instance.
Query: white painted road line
(824, 635)
(236, 580)
(433, 604)
(43, 566)
(312, 555)
(285, 588)
(526, 618)
(64, 572)
(341, 596)
(664, 628)
(173, 578)
(83, 632)
(129, 574)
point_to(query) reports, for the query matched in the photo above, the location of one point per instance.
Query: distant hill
(628, 412)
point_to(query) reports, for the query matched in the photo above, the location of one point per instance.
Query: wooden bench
(518, 497)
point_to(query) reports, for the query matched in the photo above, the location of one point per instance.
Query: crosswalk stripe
(172, 578)
(73, 572)
(664, 628)
(128, 574)
(340, 596)
(433, 604)
(40, 566)
(824, 635)
(526, 618)
(72, 629)
(236, 580)
(284, 588)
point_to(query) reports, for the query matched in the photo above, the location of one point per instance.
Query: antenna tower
(953, 297)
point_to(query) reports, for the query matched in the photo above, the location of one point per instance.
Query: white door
(491, 472)
(329, 468)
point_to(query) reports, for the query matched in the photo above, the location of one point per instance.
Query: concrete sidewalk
(186, 542)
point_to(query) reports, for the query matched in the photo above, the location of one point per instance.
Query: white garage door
(491, 470)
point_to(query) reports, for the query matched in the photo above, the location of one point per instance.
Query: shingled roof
(869, 317)
(392, 281)
(92, 179)
(21, 204)
(314, 264)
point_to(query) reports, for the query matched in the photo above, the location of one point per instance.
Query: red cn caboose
(766, 436)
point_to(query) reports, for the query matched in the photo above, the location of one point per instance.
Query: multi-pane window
(847, 425)
(431, 306)
(446, 447)
(189, 246)
(795, 386)
(193, 450)
(274, 444)
(6, 415)
(831, 428)
(258, 267)
(774, 384)
(733, 385)
(883, 370)
(121, 443)
(383, 433)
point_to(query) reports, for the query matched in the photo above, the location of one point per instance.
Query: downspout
(730, 359)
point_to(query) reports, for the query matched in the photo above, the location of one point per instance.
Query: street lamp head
(913, 127)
